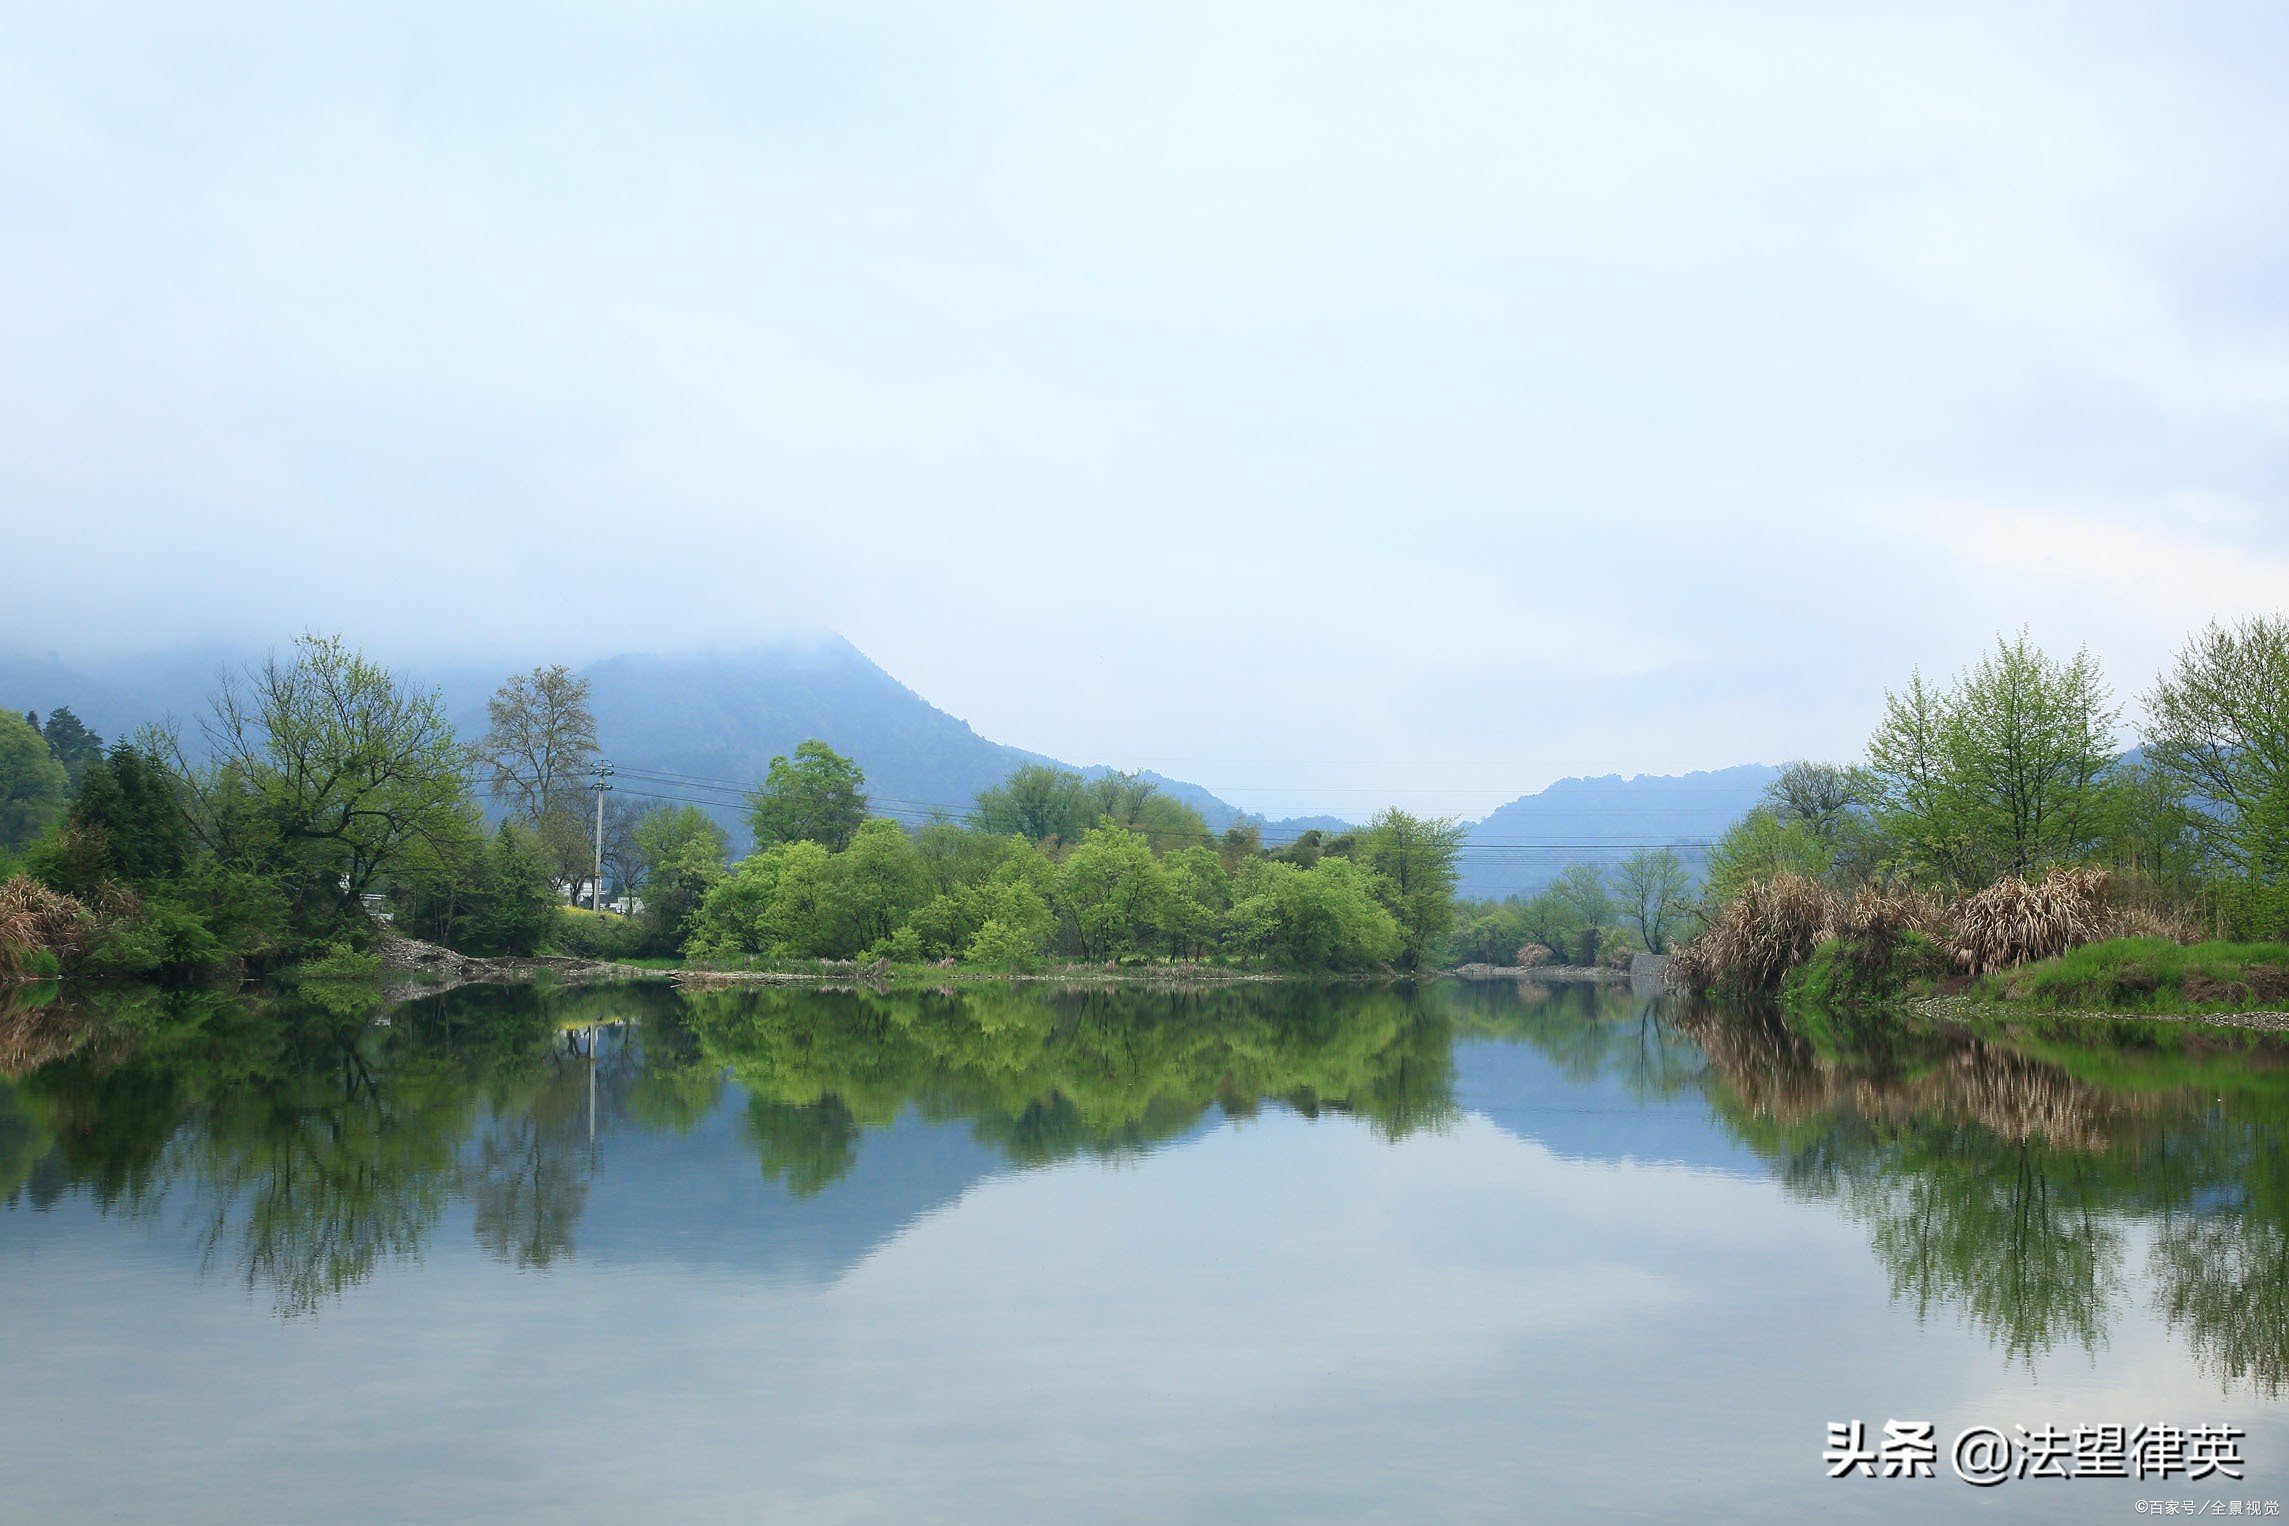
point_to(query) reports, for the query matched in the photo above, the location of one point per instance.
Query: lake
(1452, 1252)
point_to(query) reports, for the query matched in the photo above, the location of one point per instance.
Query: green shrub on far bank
(1856, 971)
(340, 961)
(595, 935)
(2151, 975)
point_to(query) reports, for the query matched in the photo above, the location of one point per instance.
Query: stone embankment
(412, 968)
(1967, 1009)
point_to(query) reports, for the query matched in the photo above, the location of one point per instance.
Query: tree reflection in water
(1999, 1185)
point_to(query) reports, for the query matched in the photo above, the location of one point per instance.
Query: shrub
(593, 935)
(1000, 946)
(340, 961)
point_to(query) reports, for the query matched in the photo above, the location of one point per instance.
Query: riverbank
(411, 968)
(1965, 1007)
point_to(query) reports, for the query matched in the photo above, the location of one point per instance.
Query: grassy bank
(2148, 975)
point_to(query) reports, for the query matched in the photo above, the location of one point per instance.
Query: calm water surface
(1462, 1253)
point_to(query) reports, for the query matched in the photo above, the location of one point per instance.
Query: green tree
(521, 901)
(1040, 804)
(813, 797)
(538, 744)
(1112, 892)
(1135, 804)
(1760, 845)
(2218, 730)
(1323, 918)
(33, 785)
(1580, 891)
(681, 853)
(76, 748)
(126, 824)
(1652, 884)
(1827, 800)
(330, 762)
(2006, 772)
(1199, 896)
(878, 882)
(1413, 860)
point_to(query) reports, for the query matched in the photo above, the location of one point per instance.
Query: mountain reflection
(2032, 1185)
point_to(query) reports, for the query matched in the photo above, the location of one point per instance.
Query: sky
(1330, 404)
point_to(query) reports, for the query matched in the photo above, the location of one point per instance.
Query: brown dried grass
(34, 918)
(2012, 923)
(2148, 922)
(1771, 927)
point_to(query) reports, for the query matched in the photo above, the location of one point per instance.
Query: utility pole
(601, 783)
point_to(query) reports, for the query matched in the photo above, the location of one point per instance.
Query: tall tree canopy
(338, 763)
(1652, 884)
(76, 748)
(1038, 803)
(815, 796)
(2005, 772)
(536, 752)
(2218, 729)
(33, 785)
(1413, 859)
(539, 741)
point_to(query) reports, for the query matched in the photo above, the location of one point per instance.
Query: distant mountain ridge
(703, 727)
(698, 727)
(1520, 847)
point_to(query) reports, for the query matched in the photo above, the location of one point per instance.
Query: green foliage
(796, 900)
(1413, 860)
(329, 768)
(1111, 892)
(2151, 975)
(682, 854)
(1016, 893)
(1847, 973)
(33, 785)
(1487, 932)
(2006, 772)
(1038, 803)
(1000, 946)
(1759, 846)
(76, 748)
(126, 823)
(878, 882)
(813, 797)
(2218, 732)
(1651, 885)
(340, 961)
(596, 935)
(520, 896)
(1327, 917)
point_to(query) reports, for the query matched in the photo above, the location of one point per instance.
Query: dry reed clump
(1873, 913)
(1771, 927)
(2012, 922)
(2146, 922)
(35, 919)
